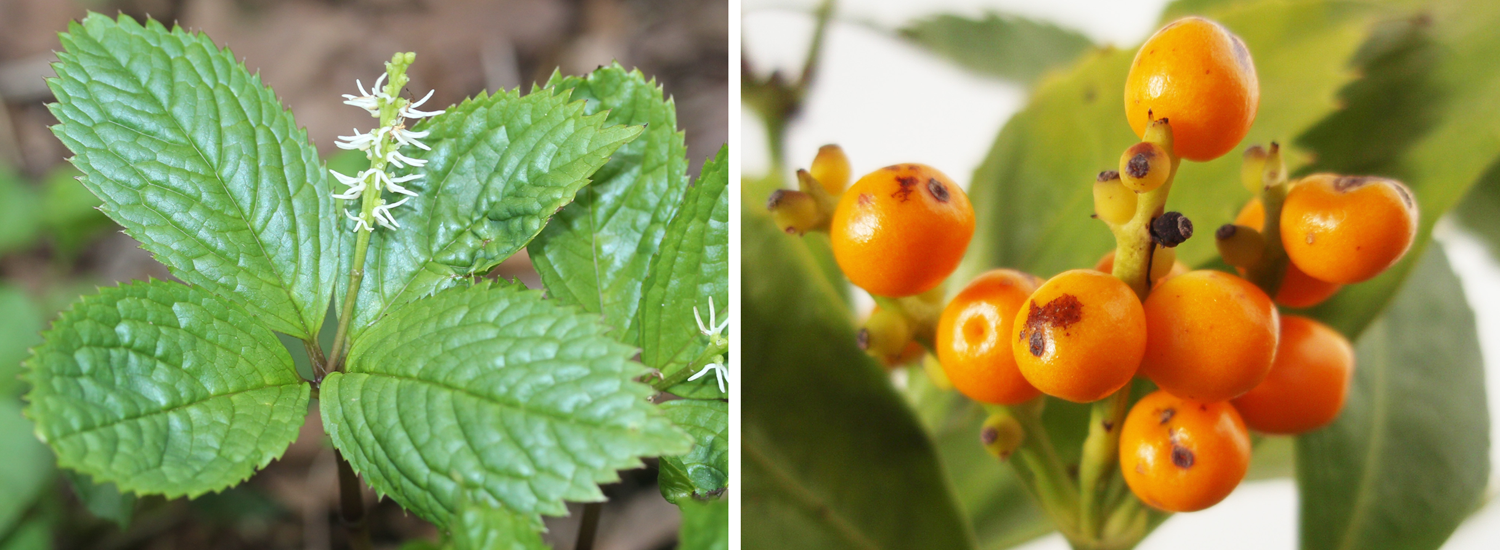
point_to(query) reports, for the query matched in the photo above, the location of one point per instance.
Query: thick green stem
(351, 296)
(1268, 273)
(1100, 450)
(1040, 469)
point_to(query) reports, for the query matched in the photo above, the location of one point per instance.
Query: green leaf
(201, 164)
(500, 166)
(704, 471)
(34, 534)
(833, 458)
(104, 500)
(28, 465)
(20, 326)
(1437, 98)
(693, 269)
(705, 526)
(162, 388)
(1032, 193)
(18, 213)
(595, 253)
(1004, 46)
(493, 394)
(1408, 458)
(478, 527)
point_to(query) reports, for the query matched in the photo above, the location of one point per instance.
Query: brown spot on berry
(1182, 457)
(1344, 184)
(1107, 425)
(1061, 312)
(863, 339)
(907, 185)
(1139, 165)
(989, 435)
(1107, 175)
(1226, 231)
(1165, 416)
(937, 189)
(1038, 344)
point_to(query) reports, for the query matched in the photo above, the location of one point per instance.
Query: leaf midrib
(170, 410)
(822, 510)
(1379, 411)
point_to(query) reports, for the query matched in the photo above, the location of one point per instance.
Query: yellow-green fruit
(1144, 167)
(794, 212)
(1240, 246)
(1253, 168)
(831, 168)
(1002, 435)
(1113, 203)
(885, 334)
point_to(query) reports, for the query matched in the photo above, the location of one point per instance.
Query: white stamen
(719, 374)
(359, 223)
(395, 157)
(383, 214)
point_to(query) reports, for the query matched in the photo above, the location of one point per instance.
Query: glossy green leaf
(693, 269)
(20, 328)
(705, 526)
(1446, 134)
(596, 252)
(1408, 458)
(201, 164)
(478, 527)
(704, 471)
(500, 166)
(491, 393)
(1032, 196)
(1004, 46)
(162, 388)
(28, 465)
(833, 458)
(103, 500)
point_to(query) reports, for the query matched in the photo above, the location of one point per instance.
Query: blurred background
(887, 94)
(54, 246)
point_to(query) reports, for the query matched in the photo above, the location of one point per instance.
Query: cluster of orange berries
(1224, 359)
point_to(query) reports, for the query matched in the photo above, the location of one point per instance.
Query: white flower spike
(382, 146)
(720, 371)
(706, 329)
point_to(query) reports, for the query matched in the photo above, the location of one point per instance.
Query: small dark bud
(1108, 175)
(1225, 232)
(1171, 229)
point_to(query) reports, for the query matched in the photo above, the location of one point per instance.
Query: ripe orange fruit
(973, 338)
(1181, 455)
(1298, 289)
(1347, 229)
(1200, 77)
(1308, 383)
(1080, 336)
(1210, 336)
(901, 230)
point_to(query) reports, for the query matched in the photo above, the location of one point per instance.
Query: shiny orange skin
(1211, 336)
(1200, 77)
(901, 230)
(1308, 384)
(973, 338)
(1181, 455)
(1347, 229)
(1106, 264)
(1080, 336)
(1297, 289)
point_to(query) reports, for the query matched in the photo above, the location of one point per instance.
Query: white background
(950, 120)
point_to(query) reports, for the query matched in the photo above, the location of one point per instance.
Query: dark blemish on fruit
(1226, 232)
(1061, 312)
(1203, 408)
(1140, 468)
(1107, 175)
(1405, 193)
(863, 339)
(865, 199)
(1139, 165)
(1346, 183)
(937, 189)
(989, 435)
(908, 184)
(1165, 416)
(1182, 457)
(1089, 95)
(1108, 425)
(775, 199)
(1171, 229)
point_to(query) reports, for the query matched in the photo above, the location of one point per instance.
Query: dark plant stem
(590, 526)
(352, 505)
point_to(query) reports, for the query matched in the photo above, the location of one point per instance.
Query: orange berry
(1200, 77)
(901, 230)
(1347, 229)
(973, 338)
(1211, 336)
(1080, 336)
(1308, 383)
(1181, 455)
(1298, 289)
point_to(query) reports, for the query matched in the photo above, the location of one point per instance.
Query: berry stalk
(1271, 269)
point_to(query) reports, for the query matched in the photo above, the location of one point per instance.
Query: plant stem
(713, 349)
(1271, 269)
(352, 505)
(315, 355)
(1099, 452)
(589, 527)
(346, 313)
(1037, 465)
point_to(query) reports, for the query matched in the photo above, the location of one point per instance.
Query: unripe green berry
(831, 169)
(1002, 435)
(1162, 260)
(885, 334)
(1144, 167)
(794, 212)
(1252, 168)
(1240, 246)
(1113, 203)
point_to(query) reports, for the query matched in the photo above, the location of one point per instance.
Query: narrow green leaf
(704, 471)
(705, 526)
(28, 465)
(595, 253)
(833, 458)
(104, 500)
(478, 527)
(201, 164)
(493, 394)
(1408, 458)
(500, 166)
(162, 388)
(1032, 193)
(999, 45)
(692, 270)
(20, 328)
